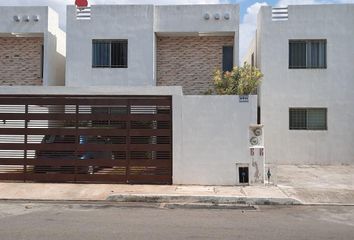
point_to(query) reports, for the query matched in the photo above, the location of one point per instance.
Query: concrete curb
(106, 204)
(243, 207)
(216, 200)
(173, 201)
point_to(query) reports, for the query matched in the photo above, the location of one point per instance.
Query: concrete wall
(190, 18)
(47, 27)
(251, 51)
(131, 22)
(214, 133)
(330, 88)
(54, 56)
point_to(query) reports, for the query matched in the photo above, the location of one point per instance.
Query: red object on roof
(81, 3)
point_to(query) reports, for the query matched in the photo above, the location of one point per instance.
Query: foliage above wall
(240, 81)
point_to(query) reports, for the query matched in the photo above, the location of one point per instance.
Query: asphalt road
(37, 221)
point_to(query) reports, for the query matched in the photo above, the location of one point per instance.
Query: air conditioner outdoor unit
(256, 136)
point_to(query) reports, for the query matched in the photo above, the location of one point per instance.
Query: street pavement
(85, 221)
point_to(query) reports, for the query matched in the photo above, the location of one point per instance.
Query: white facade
(46, 25)
(214, 134)
(134, 23)
(283, 88)
(139, 24)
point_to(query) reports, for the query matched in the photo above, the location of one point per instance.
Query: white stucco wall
(214, 133)
(330, 88)
(131, 22)
(48, 28)
(56, 53)
(251, 50)
(190, 18)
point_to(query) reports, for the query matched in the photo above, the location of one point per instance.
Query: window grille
(307, 54)
(308, 118)
(110, 53)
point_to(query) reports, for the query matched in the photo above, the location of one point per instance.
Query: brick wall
(189, 61)
(20, 61)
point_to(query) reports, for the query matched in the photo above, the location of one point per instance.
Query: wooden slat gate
(117, 139)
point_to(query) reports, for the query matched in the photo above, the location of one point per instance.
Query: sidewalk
(303, 184)
(145, 193)
(314, 184)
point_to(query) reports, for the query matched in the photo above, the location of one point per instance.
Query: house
(306, 96)
(32, 47)
(132, 109)
(151, 45)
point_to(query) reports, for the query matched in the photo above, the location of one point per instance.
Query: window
(227, 58)
(308, 118)
(110, 53)
(307, 54)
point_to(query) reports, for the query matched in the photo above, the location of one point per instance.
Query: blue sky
(248, 10)
(246, 3)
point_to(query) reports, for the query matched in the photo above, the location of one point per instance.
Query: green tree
(240, 81)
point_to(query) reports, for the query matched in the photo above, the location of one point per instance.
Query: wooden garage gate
(117, 139)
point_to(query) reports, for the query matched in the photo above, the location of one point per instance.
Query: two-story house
(306, 97)
(147, 45)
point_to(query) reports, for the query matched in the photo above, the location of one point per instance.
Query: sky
(248, 10)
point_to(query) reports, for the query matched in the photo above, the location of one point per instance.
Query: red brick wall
(20, 61)
(189, 61)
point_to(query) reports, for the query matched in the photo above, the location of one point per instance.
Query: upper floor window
(307, 54)
(308, 118)
(110, 53)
